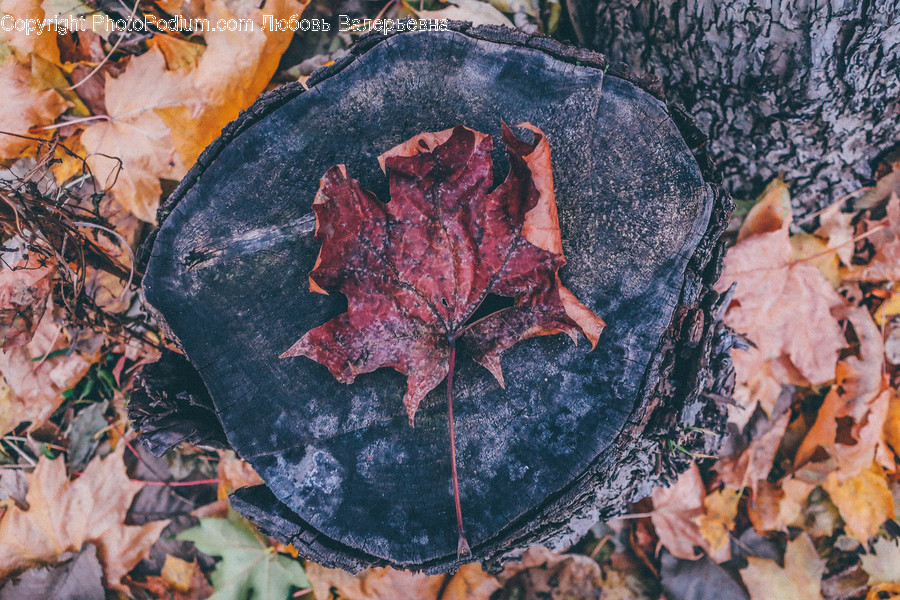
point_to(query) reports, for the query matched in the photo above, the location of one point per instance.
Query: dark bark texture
(576, 434)
(807, 88)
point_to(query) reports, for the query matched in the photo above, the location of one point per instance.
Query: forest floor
(800, 502)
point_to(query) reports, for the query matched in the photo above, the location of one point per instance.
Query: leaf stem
(462, 547)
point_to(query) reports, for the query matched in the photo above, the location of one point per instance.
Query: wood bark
(576, 433)
(810, 89)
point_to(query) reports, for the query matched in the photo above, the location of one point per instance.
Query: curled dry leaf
(416, 269)
(62, 515)
(800, 577)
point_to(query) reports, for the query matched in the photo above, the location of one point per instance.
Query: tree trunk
(574, 435)
(808, 89)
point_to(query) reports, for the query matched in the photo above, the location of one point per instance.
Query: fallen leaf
(30, 390)
(770, 212)
(753, 464)
(883, 563)
(62, 515)
(24, 290)
(25, 106)
(479, 13)
(551, 575)
(884, 591)
(863, 500)
(77, 577)
(775, 507)
(39, 43)
(182, 582)
(247, 566)
(784, 306)
(835, 226)
(380, 583)
(857, 396)
(231, 73)
(132, 150)
(234, 473)
(800, 577)
(412, 298)
(717, 522)
(675, 513)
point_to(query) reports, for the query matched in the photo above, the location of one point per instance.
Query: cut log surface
(349, 481)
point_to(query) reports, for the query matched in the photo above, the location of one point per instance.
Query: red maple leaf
(416, 269)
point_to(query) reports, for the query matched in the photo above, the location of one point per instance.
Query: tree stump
(575, 434)
(808, 90)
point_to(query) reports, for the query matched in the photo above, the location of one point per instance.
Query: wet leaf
(415, 270)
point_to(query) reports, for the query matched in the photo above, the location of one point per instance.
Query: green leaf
(248, 564)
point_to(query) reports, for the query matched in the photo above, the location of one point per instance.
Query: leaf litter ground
(801, 503)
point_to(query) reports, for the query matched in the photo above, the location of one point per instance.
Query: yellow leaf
(864, 501)
(479, 13)
(177, 574)
(232, 72)
(884, 591)
(25, 105)
(815, 251)
(800, 577)
(718, 521)
(41, 43)
(63, 514)
(179, 54)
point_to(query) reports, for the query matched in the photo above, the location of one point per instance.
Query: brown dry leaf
(776, 506)
(31, 390)
(24, 290)
(800, 577)
(63, 515)
(856, 401)
(816, 251)
(179, 580)
(864, 501)
(784, 306)
(233, 70)
(469, 582)
(545, 574)
(753, 464)
(234, 473)
(137, 135)
(25, 105)
(718, 521)
(675, 513)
